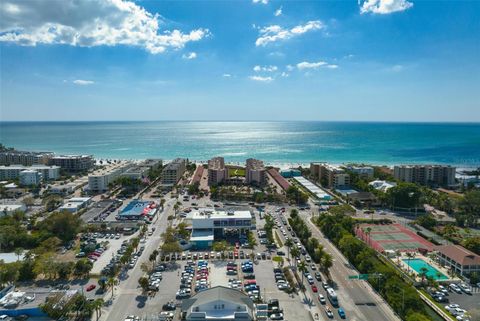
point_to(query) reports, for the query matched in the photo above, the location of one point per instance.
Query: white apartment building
(99, 181)
(255, 172)
(30, 177)
(217, 173)
(362, 171)
(13, 171)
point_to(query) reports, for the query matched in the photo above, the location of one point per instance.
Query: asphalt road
(128, 299)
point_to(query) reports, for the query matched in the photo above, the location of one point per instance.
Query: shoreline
(287, 165)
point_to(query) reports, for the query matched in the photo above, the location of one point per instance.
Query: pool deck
(410, 271)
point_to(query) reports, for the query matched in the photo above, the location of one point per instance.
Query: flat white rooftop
(210, 213)
(312, 188)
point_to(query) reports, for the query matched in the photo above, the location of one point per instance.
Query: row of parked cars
(271, 310)
(280, 279)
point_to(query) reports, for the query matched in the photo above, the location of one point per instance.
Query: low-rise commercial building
(209, 224)
(218, 304)
(73, 163)
(8, 209)
(458, 259)
(75, 204)
(17, 157)
(174, 171)
(441, 175)
(217, 173)
(329, 175)
(13, 171)
(255, 172)
(382, 185)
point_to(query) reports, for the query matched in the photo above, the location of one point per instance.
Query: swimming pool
(418, 264)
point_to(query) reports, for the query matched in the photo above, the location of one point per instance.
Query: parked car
(321, 298)
(329, 312)
(91, 287)
(341, 313)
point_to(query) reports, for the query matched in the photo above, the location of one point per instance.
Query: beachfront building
(458, 259)
(218, 304)
(255, 172)
(99, 181)
(174, 171)
(14, 171)
(73, 163)
(441, 175)
(152, 163)
(279, 179)
(17, 157)
(329, 175)
(209, 224)
(217, 172)
(365, 172)
(291, 172)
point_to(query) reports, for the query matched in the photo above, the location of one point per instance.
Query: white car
(132, 318)
(451, 306)
(321, 298)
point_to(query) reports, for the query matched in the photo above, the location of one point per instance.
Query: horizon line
(245, 121)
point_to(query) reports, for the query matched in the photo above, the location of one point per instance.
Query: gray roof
(217, 293)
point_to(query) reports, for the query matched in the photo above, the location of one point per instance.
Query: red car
(91, 287)
(314, 288)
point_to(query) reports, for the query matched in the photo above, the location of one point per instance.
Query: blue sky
(392, 60)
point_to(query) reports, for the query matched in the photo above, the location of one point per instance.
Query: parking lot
(114, 245)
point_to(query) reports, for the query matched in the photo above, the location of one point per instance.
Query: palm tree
(288, 243)
(97, 305)
(369, 230)
(326, 263)
(302, 267)
(162, 203)
(111, 282)
(153, 257)
(423, 273)
(295, 253)
(18, 251)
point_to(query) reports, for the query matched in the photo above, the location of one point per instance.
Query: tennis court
(392, 237)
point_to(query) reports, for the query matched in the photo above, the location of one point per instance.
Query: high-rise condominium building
(255, 172)
(217, 173)
(442, 175)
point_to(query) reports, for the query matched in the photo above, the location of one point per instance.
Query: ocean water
(273, 142)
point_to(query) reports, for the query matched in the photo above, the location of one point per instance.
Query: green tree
(289, 243)
(64, 225)
(82, 267)
(302, 268)
(326, 263)
(472, 244)
(143, 282)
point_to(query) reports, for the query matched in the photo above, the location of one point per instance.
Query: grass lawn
(236, 172)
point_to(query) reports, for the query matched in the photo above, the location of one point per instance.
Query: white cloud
(290, 67)
(396, 68)
(88, 24)
(305, 65)
(226, 75)
(82, 82)
(275, 33)
(384, 6)
(189, 56)
(261, 79)
(278, 12)
(284, 74)
(260, 1)
(265, 68)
